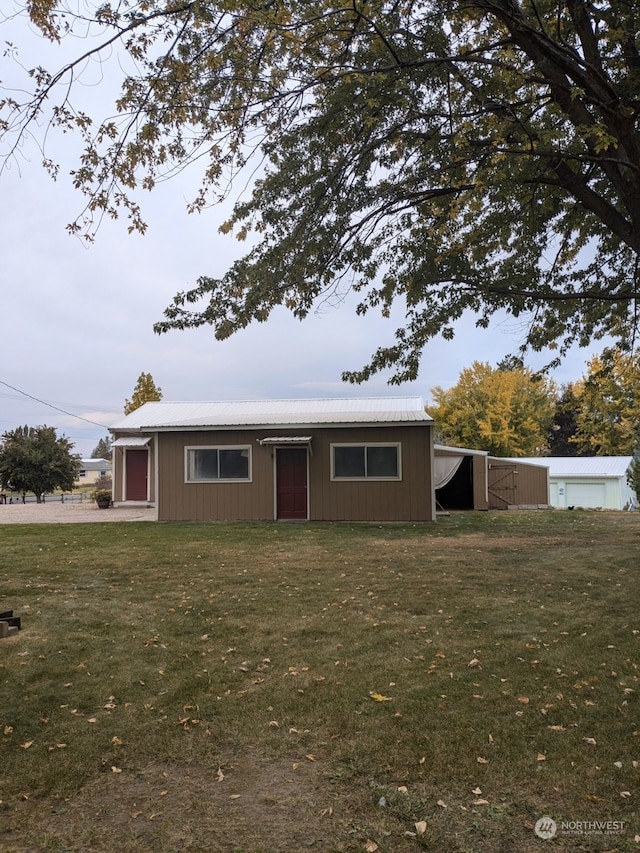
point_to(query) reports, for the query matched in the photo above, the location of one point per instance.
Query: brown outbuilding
(472, 479)
(346, 459)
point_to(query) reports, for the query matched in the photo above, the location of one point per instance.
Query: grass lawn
(255, 688)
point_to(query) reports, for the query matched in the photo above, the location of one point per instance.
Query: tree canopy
(34, 459)
(633, 477)
(506, 412)
(103, 449)
(608, 416)
(145, 391)
(446, 157)
(563, 439)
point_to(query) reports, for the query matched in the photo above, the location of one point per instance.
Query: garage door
(586, 494)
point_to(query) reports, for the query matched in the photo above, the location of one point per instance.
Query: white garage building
(591, 482)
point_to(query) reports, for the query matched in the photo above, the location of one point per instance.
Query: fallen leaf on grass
(115, 769)
(310, 757)
(378, 697)
(481, 802)
(370, 846)
(625, 794)
(220, 775)
(477, 791)
(442, 804)
(482, 760)
(557, 728)
(524, 700)
(26, 744)
(590, 740)
(541, 757)
(421, 827)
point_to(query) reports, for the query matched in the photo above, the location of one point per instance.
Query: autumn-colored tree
(34, 459)
(608, 418)
(145, 391)
(506, 412)
(447, 156)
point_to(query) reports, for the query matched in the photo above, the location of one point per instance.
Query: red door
(291, 482)
(136, 480)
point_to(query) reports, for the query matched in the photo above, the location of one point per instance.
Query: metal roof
(583, 466)
(131, 441)
(463, 451)
(264, 413)
(95, 464)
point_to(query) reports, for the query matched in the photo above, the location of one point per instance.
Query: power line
(51, 406)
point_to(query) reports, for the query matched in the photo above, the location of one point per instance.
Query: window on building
(215, 464)
(365, 462)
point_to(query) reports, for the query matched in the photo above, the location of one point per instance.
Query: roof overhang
(131, 441)
(286, 441)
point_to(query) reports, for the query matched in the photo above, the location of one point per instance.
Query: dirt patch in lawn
(246, 804)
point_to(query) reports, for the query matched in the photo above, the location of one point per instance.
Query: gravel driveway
(56, 512)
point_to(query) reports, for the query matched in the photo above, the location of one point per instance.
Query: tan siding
(533, 485)
(410, 499)
(180, 501)
(517, 484)
(480, 482)
(118, 457)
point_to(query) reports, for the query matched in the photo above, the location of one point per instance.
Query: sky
(77, 319)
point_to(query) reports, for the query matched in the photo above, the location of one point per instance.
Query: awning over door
(286, 439)
(132, 441)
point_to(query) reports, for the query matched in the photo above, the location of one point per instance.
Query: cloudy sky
(77, 319)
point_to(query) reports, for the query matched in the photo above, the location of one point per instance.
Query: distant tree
(33, 459)
(145, 391)
(609, 412)
(562, 435)
(507, 412)
(102, 450)
(633, 477)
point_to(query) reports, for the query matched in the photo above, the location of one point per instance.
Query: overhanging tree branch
(430, 154)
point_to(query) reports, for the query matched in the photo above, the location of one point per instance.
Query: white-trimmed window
(226, 464)
(375, 461)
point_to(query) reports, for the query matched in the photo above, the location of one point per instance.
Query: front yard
(271, 687)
